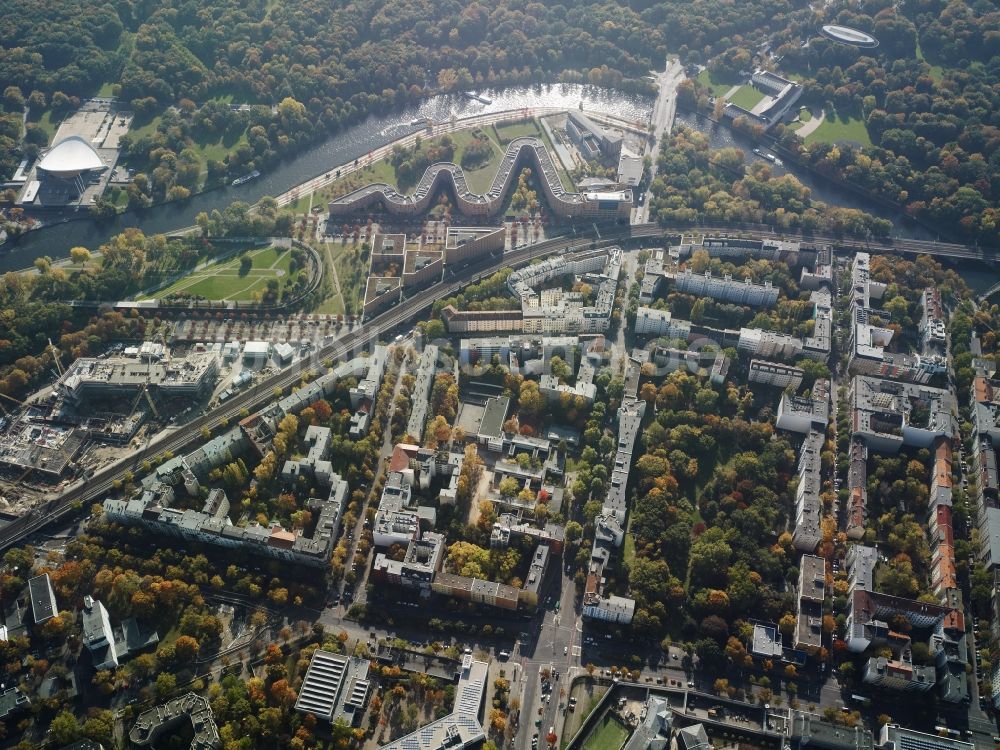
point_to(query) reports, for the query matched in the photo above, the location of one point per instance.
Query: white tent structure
(70, 159)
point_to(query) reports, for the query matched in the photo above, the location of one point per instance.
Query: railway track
(95, 487)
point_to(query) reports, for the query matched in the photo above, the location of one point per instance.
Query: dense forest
(325, 64)
(927, 97)
(696, 184)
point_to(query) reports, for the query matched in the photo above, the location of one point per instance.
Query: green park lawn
(333, 302)
(937, 72)
(836, 129)
(747, 97)
(805, 115)
(609, 735)
(220, 148)
(146, 128)
(352, 273)
(379, 171)
(48, 123)
(480, 178)
(224, 280)
(717, 86)
(506, 132)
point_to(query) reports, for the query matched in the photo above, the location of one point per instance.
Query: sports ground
(226, 280)
(608, 735)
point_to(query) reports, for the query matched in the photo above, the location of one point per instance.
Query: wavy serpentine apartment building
(521, 152)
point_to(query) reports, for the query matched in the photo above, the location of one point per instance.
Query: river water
(354, 142)
(721, 136)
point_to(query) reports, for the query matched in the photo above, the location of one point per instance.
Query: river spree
(355, 142)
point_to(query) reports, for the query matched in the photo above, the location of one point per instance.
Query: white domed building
(71, 159)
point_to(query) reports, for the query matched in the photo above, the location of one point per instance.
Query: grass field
(352, 273)
(47, 123)
(147, 128)
(628, 555)
(506, 132)
(379, 171)
(220, 148)
(214, 150)
(481, 178)
(746, 97)
(718, 87)
(609, 735)
(333, 303)
(805, 115)
(835, 129)
(937, 72)
(225, 280)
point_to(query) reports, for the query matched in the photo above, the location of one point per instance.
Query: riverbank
(308, 171)
(321, 181)
(436, 130)
(344, 147)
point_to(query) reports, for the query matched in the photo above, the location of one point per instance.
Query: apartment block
(610, 524)
(482, 321)
(466, 244)
(775, 374)
(381, 293)
(888, 414)
(768, 344)
(808, 532)
(652, 322)
(725, 289)
(398, 518)
(563, 313)
(152, 511)
(417, 569)
(870, 338)
(804, 415)
(868, 619)
(420, 397)
(812, 592)
(475, 590)
(618, 610)
(737, 248)
(857, 488)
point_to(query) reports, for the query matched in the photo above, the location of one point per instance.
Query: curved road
(93, 488)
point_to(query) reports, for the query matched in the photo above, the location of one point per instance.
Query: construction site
(96, 406)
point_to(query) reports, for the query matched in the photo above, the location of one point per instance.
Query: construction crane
(149, 400)
(55, 356)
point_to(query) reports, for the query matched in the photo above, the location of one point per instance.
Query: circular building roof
(847, 35)
(70, 157)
